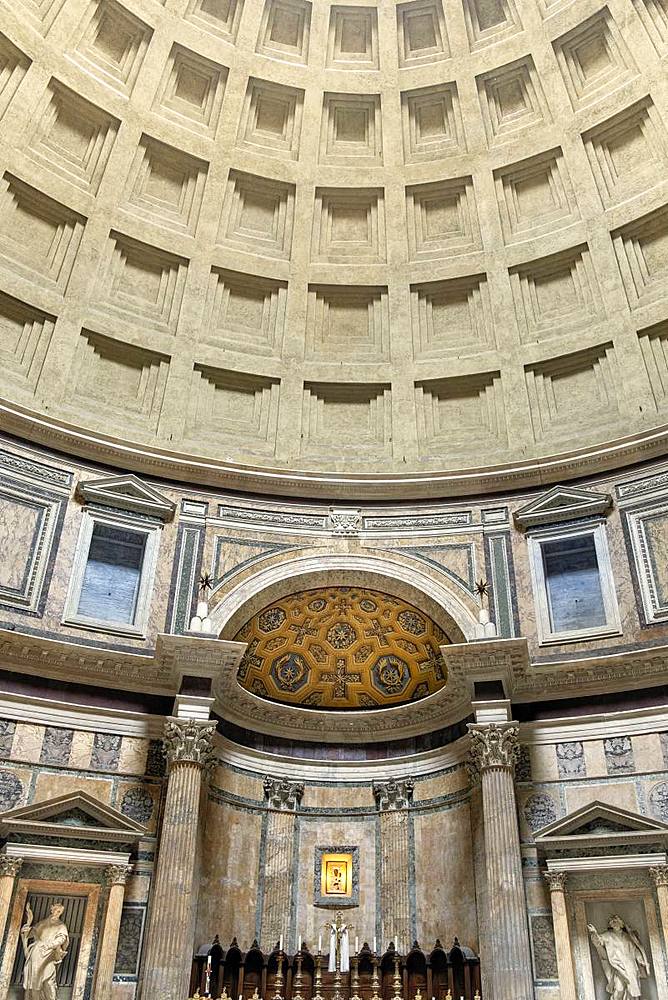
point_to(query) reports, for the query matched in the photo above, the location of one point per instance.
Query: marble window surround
(125, 521)
(535, 540)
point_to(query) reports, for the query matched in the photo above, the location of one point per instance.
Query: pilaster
(556, 880)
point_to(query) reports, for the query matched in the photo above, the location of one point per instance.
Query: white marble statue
(623, 959)
(44, 946)
(339, 945)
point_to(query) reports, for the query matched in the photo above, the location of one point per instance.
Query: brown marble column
(562, 934)
(116, 876)
(169, 941)
(9, 869)
(494, 752)
(659, 876)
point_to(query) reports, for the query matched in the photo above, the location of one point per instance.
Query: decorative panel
(649, 539)
(30, 523)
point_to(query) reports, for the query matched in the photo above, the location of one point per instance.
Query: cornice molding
(156, 462)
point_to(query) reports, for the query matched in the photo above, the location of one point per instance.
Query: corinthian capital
(117, 874)
(283, 794)
(189, 741)
(493, 746)
(659, 874)
(556, 880)
(10, 866)
(393, 794)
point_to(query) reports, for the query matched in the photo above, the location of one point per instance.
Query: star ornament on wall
(482, 589)
(205, 584)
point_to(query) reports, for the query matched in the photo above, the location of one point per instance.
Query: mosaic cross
(301, 631)
(340, 679)
(378, 631)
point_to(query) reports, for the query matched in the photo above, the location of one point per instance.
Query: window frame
(148, 527)
(536, 540)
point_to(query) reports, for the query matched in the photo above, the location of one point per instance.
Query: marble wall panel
(140, 802)
(50, 784)
(338, 797)
(228, 896)
(450, 781)
(239, 783)
(27, 745)
(444, 877)
(320, 831)
(133, 754)
(14, 787)
(622, 794)
(82, 749)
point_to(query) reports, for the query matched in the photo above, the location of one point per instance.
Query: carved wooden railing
(254, 975)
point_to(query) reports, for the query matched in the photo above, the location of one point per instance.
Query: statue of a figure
(44, 953)
(623, 959)
(339, 944)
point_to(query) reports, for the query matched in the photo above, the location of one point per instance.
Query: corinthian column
(169, 943)
(494, 752)
(9, 869)
(116, 876)
(562, 934)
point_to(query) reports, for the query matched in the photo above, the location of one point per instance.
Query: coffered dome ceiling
(342, 648)
(315, 242)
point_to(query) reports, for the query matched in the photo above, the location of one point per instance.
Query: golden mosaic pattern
(342, 648)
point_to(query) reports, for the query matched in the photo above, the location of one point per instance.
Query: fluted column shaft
(116, 876)
(9, 869)
(562, 935)
(169, 944)
(659, 876)
(494, 751)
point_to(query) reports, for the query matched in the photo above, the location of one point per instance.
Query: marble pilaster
(494, 753)
(659, 876)
(169, 940)
(9, 869)
(116, 876)
(562, 935)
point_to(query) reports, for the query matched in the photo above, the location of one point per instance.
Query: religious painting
(336, 872)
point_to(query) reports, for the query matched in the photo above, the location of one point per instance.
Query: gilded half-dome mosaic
(340, 648)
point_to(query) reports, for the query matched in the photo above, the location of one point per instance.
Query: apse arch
(398, 576)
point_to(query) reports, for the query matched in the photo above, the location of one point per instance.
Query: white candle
(280, 943)
(357, 945)
(375, 949)
(299, 946)
(320, 944)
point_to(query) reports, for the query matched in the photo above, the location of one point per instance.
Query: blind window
(573, 584)
(112, 576)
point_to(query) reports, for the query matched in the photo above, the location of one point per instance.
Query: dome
(418, 247)
(342, 648)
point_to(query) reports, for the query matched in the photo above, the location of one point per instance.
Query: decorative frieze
(394, 794)
(283, 794)
(189, 742)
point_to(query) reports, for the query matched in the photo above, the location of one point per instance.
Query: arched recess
(396, 575)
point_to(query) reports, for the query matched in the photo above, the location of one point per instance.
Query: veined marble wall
(567, 765)
(416, 883)
(451, 544)
(39, 762)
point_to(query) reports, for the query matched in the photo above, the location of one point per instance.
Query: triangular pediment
(562, 503)
(599, 824)
(73, 815)
(127, 493)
